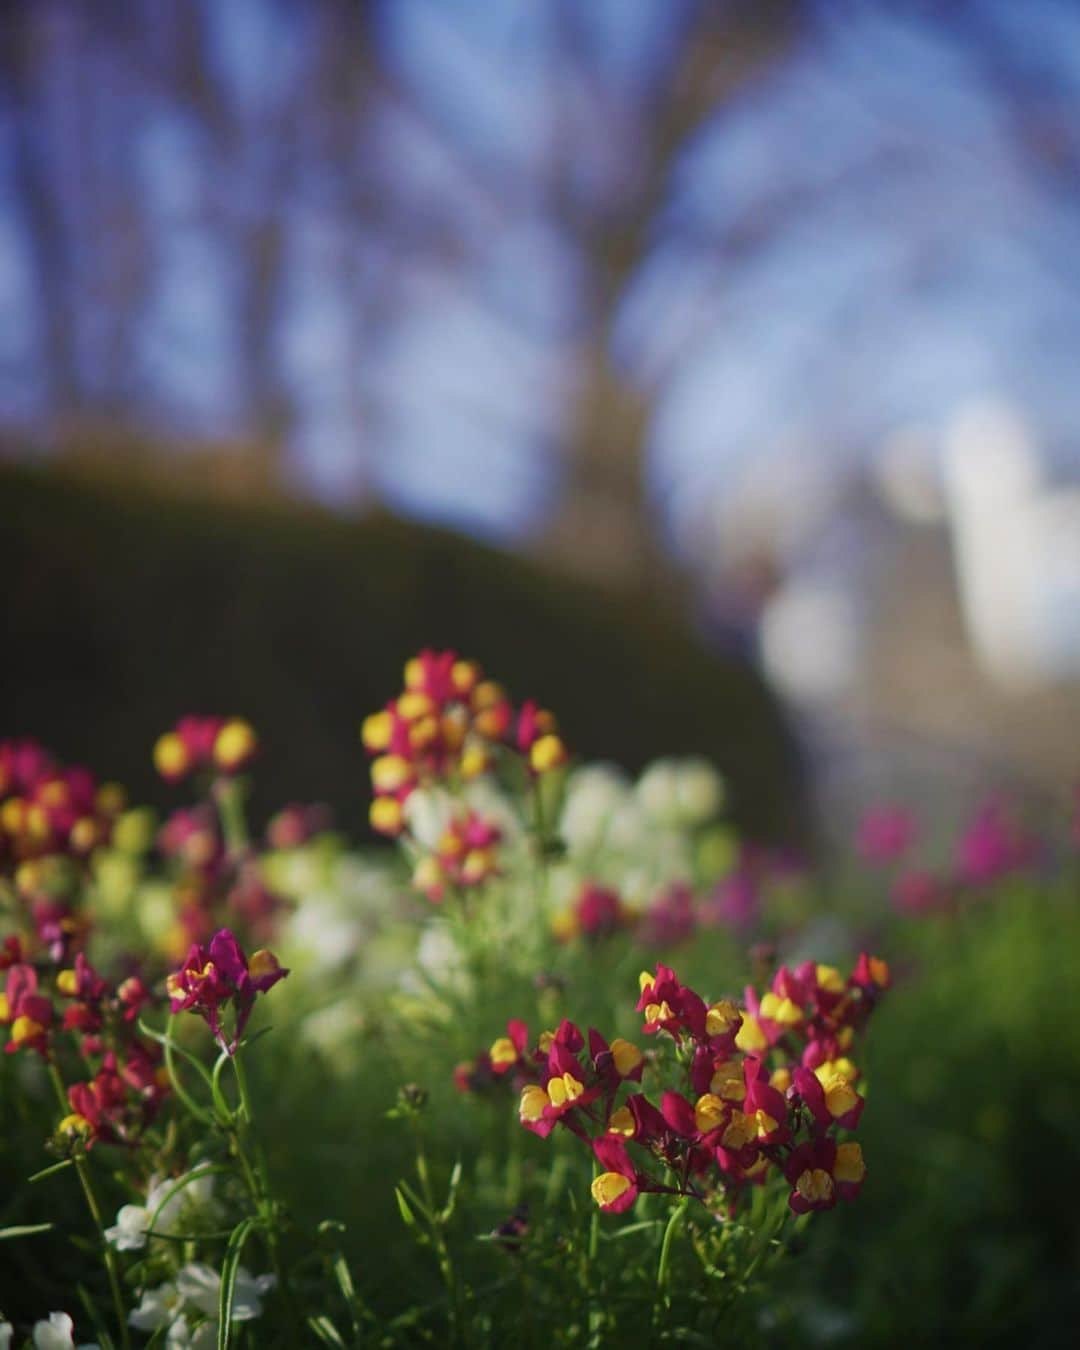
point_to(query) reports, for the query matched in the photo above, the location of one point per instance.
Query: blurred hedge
(122, 609)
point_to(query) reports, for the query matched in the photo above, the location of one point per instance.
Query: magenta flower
(736, 901)
(993, 845)
(917, 892)
(616, 1188)
(218, 976)
(886, 833)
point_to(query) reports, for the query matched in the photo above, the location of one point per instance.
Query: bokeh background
(749, 330)
(707, 370)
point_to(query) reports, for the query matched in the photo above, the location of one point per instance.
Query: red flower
(29, 1014)
(822, 1171)
(829, 1096)
(616, 1188)
(214, 977)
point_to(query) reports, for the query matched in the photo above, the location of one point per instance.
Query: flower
(195, 1294)
(29, 1013)
(680, 792)
(595, 795)
(750, 1106)
(158, 1307)
(885, 833)
(216, 976)
(226, 744)
(822, 1171)
(447, 726)
(58, 1334)
(200, 1285)
(166, 1201)
(616, 1188)
(994, 845)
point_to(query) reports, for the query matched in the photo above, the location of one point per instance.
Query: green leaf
(221, 1106)
(229, 1267)
(25, 1230)
(451, 1194)
(50, 1171)
(343, 1275)
(105, 1340)
(403, 1208)
(326, 1332)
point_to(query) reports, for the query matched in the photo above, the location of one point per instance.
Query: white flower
(440, 958)
(128, 1234)
(593, 796)
(158, 1307)
(165, 1203)
(318, 926)
(680, 791)
(56, 1334)
(193, 1190)
(428, 813)
(333, 1029)
(700, 790)
(200, 1285)
(180, 1336)
(5, 1335)
(488, 801)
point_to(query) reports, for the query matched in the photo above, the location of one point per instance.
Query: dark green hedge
(122, 609)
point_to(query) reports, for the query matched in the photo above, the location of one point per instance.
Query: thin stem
(108, 1255)
(596, 1315)
(662, 1300)
(229, 795)
(438, 1238)
(540, 831)
(255, 1175)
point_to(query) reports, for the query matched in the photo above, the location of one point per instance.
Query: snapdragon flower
(187, 1307)
(680, 792)
(168, 1200)
(768, 1087)
(218, 976)
(57, 1333)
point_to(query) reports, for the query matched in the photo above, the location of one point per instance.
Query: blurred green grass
(967, 1230)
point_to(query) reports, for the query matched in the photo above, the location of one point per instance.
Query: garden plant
(571, 1064)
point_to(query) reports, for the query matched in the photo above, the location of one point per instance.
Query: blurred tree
(237, 223)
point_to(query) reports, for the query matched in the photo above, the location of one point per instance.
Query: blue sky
(879, 227)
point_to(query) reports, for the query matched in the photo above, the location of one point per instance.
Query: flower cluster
(48, 808)
(993, 844)
(55, 1332)
(222, 745)
(218, 977)
(186, 1308)
(596, 912)
(185, 1305)
(297, 824)
(762, 1090)
(127, 1084)
(218, 876)
(449, 724)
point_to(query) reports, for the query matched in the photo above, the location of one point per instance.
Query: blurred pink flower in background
(886, 833)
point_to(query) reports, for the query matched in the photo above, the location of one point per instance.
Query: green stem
(229, 794)
(596, 1315)
(662, 1300)
(108, 1255)
(540, 831)
(242, 1131)
(438, 1238)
